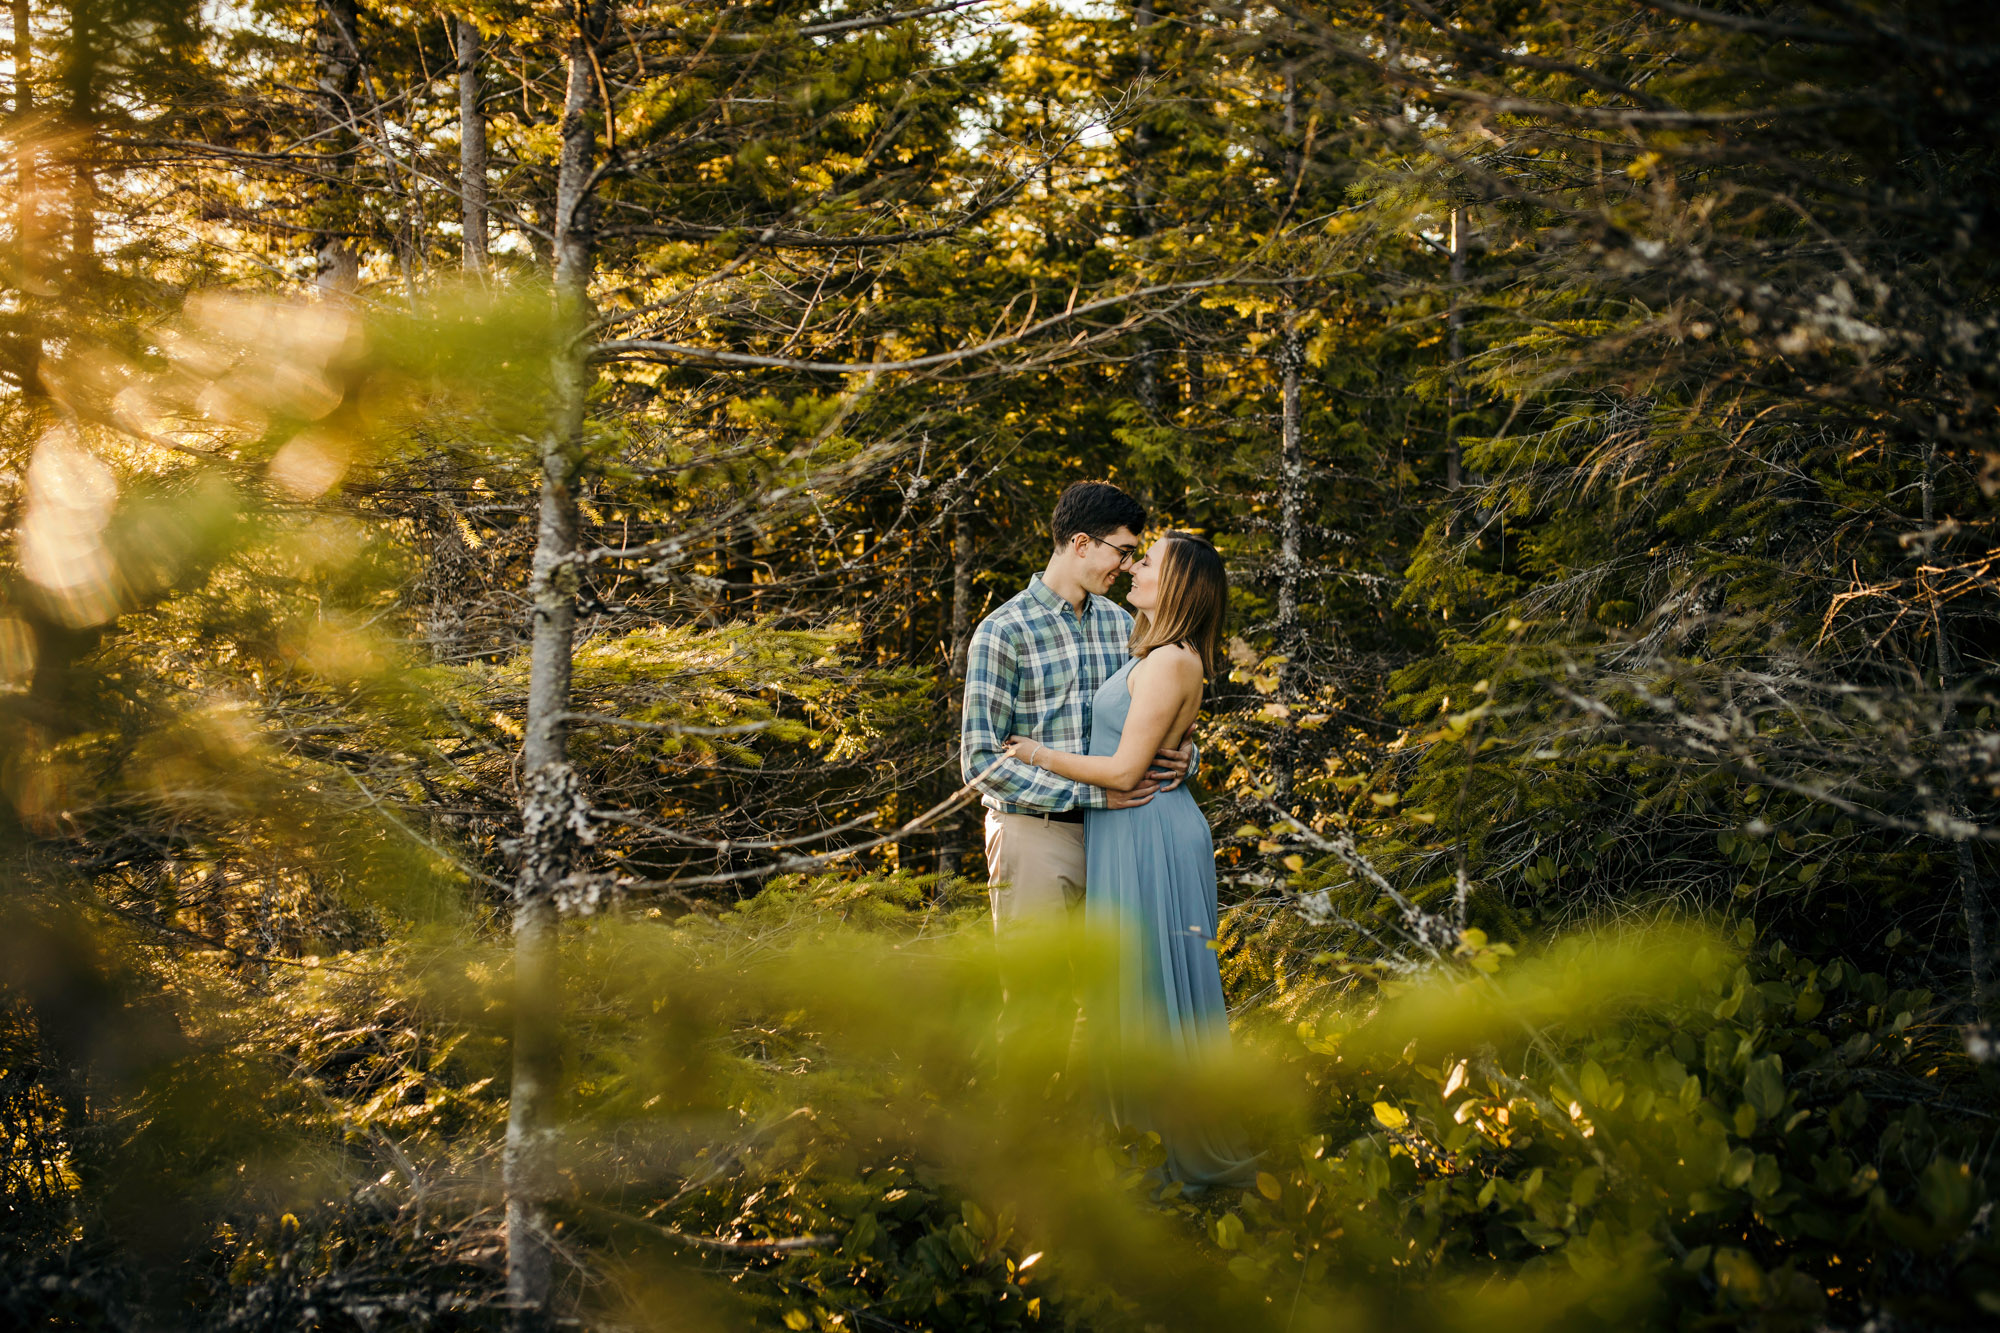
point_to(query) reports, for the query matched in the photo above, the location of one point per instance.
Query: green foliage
(1680, 1125)
(1698, 628)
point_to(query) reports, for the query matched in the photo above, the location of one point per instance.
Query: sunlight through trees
(498, 497)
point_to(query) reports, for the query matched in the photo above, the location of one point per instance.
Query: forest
(495, 498)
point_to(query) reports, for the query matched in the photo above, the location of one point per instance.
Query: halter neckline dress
(1150, 882)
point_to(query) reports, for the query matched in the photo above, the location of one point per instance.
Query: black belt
(1061, 816)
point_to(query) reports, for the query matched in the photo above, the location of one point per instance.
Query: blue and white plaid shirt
(1032, 670)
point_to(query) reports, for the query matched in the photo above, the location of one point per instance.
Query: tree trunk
(1972, 906)
(81, 81)
(963, 570)
(1147, 366)
(445, 583)
(1291, 529)
(1291, 483)
(444, 623)
(1291, 490)
(471, 146)
(26, 354)
(739, 574)
(27, 221)
(554, 814)
(1455, 352)
(1971, 880)
(951, 838)
(337, 269)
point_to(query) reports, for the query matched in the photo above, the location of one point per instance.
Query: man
(1033, 667)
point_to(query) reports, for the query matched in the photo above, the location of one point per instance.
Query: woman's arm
(1173, 676)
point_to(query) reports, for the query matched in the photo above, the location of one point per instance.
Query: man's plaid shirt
(1032, 670)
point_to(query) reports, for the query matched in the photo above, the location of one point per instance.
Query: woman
(1151, 868)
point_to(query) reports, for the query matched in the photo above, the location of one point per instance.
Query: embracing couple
(1076, 728)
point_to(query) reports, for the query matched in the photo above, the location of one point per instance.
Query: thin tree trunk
(1291, 483)
(1292, 466)
(1148, 389)
(27, 221)
(445, 623)
(963, 570)
(1291, 489)
(81, 78)
(83, 211)
(739, 574)
(1147, 368)
(472, 146)
(951, 838)
(27, 353)
(1291, 527)
(446, 568)
(1972, 905)
(1455, 352)
(406, 240)
(1971, 881)
(554, 814)
(337, 269)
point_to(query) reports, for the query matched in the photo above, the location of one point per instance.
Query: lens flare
(71, 493)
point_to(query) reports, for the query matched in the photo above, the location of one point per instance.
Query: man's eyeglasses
(1126, 554)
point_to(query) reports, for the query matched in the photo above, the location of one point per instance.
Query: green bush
(1718, 1134)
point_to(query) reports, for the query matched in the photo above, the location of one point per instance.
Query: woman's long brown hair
(1194, 595)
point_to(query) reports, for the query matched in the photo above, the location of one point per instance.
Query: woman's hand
(1020, 747)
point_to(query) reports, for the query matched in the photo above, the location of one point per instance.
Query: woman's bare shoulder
(1173, 664)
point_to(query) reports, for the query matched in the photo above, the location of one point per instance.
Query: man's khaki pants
(1035, 874)
(1034, 869)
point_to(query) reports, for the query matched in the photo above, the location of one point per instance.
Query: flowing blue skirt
(1151, 887)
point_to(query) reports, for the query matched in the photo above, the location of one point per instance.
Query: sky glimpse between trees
(497, 497)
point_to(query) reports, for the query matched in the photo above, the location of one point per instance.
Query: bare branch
(649, 349)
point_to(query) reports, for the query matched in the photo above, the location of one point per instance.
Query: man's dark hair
(1096, 509)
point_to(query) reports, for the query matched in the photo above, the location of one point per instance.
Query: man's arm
(992, 683)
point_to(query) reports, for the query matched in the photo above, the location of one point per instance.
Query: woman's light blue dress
(1151, 882)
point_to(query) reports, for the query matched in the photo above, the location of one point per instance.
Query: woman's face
(1145, 591)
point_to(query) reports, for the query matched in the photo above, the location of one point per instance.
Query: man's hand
(1139, 795)
(1170, 767)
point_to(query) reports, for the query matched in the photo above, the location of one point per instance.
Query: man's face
(1104, 558)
